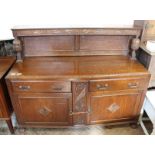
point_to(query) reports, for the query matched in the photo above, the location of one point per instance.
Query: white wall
(63, 13)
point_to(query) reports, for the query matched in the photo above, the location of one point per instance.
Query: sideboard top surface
(76, 67)
(5, 63)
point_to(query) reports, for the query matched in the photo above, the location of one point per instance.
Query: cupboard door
(113, 107)
(44, 109)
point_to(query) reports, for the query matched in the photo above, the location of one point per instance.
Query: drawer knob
(24, 87)
(132, 85)
(102, 87)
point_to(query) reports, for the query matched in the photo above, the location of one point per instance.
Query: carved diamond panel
(44, 111)
(113, 107)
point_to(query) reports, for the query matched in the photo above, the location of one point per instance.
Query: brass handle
(102, 87)
(132, 85)
(24, 87)
(58, 88)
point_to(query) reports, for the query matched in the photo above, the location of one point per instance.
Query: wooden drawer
(41, 86)
(118, 84)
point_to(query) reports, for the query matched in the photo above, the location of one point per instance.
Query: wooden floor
(91, 130)
(87, 130)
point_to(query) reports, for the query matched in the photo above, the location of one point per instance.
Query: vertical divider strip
(77, 43)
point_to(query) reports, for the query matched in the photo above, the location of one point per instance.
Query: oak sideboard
(76, 76)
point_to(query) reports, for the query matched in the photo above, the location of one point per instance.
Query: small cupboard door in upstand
(109, 107)
(44, 108)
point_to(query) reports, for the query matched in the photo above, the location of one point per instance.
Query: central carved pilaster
(80, 90)
(79, 96)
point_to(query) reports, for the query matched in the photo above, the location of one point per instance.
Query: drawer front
(42, 86)
(44, 108)
(117, 84)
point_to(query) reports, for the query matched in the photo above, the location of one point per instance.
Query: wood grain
(62, 78)
(74, 41)
(5, 103)
(126, 106)
(44, 109)
(75, 31)
(76, 67)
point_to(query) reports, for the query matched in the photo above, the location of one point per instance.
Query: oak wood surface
(71, 46)
(5, 103)
(41, 108)
(118, 84)
(76, 68)
(75, 41)
(31, 81)
(70, 76)
(112, 106)
(75, 31)
(42, 86)
(5, 63)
